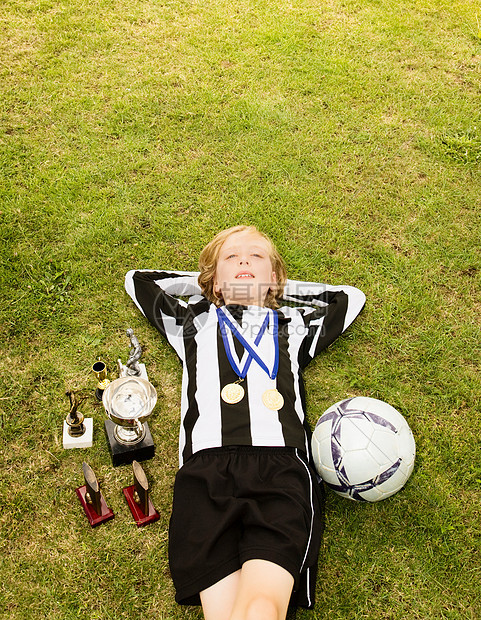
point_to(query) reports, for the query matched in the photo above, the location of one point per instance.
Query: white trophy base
(123, 371)
(85, 441)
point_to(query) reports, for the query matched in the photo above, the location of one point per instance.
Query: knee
(262, 608)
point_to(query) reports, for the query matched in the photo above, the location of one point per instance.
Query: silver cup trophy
(128, 402)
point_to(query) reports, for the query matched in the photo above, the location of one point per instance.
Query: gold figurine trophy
(77, 430)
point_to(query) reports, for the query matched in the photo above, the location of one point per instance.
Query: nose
(243, 260)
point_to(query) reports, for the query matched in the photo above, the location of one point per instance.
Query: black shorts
(236, 504)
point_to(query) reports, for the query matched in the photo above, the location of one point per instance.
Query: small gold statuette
(77, 430)
(232, 393)
(273, 399)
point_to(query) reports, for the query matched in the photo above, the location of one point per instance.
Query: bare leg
(264, 592)
(218, 600)
(261, 590)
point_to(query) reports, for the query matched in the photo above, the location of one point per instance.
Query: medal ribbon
(224, 320)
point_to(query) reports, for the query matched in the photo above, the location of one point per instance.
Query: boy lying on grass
(247, 513)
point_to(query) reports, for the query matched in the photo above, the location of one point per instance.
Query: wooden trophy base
(92, 516)
(122, 454)
(140, 518)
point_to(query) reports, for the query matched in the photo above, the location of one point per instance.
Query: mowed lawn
(130, 133)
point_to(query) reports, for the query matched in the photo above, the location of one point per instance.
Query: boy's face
(244, 271)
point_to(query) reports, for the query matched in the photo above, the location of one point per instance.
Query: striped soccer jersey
(173, 303)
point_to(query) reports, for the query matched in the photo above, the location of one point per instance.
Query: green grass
(348, 130)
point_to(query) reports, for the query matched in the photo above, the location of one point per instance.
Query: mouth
(244, 275)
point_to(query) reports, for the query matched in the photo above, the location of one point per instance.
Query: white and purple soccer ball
(363, 449)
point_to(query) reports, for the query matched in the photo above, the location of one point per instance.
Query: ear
(273, 280)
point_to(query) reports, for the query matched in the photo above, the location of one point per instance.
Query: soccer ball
(363, 449)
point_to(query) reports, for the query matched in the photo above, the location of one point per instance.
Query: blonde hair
(208, 266)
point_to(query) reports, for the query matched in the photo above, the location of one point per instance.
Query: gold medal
(232, 393)
(273, 399)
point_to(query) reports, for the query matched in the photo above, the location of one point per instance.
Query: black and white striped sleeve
(155, 294)
(327, 311)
